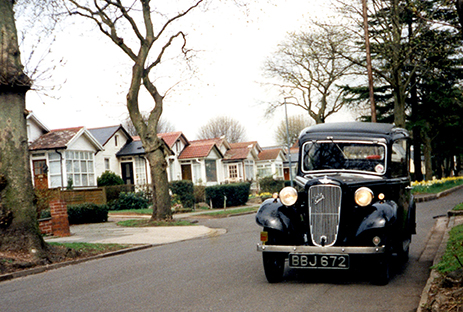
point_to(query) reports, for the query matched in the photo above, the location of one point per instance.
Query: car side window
(399, 159)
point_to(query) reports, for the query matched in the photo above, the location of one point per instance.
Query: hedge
(237, 194)
(127, 201)
(184, 191)
(87, 213)
(270, 185)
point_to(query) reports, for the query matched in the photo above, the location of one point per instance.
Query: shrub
(127, 201)
(184, 190)
(199, 193)
(109, 178)
(237, 194)
(113, 191)
(87, 213)
(270, 185)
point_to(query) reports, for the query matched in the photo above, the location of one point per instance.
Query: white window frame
(80, 167)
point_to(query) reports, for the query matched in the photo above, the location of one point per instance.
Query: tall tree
(144, 34)
(309, 66)
(295, 125)
(163, 126)
(18, 220)
(223, 126)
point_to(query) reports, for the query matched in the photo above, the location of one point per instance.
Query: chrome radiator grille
(324, 213)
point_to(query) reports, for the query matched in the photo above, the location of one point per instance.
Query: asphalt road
(222, 273)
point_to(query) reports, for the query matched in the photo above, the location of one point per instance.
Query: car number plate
(309, 261)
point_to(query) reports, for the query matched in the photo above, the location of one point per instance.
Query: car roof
(342, 130)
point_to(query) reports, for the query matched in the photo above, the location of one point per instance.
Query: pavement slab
(110, 233)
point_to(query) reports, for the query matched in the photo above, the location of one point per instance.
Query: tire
(382, 270)
(274, 266)
(403, 250)
(274, 262)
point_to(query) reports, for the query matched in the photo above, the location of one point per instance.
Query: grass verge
(228, 212)
(147, 211)
(89, 249)
(453, 255)
(145, 223)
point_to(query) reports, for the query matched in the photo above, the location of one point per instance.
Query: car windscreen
(341, 155)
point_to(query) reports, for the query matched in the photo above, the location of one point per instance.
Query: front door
(186, 172)
(127, 172)
(40, 174)
(286, 174)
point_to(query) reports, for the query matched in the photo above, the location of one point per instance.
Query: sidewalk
(110, 233)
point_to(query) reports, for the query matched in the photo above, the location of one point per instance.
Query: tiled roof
(243, 144)
(135, 147)
(131, 148)
(103, 134)
(237, 153)
(171, 137)
(55, 139)
(269, 154)
(198, 149)
(240, 150)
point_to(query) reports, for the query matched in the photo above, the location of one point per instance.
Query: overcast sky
(231, 50)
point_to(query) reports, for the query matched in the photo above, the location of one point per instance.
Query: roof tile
(58, 138)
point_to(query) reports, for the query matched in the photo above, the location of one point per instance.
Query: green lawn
(228, 212)
(453, 256)
(147, 211)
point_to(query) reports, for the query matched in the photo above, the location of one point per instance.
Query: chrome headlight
(363, 196)
(288, 196)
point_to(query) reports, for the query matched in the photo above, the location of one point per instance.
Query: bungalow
(63, 157)
(199, 162)
(270, 163)
(35, 128)
(112, 138)
(134, 165)
(240, 160)
(177, 142)
(294, 158)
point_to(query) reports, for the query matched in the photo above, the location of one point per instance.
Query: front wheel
(274, 266)
(274, 262)
(404, 250)
(382, 270)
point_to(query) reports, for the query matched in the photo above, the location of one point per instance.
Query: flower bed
(436, 185)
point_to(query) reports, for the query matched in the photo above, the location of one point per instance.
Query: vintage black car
(351, 204)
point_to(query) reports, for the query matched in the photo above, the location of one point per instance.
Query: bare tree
(308, 66)
(38, 21)
(295, 125)
(164, 125)
(18, 220)
(217, 127)
(144, 34)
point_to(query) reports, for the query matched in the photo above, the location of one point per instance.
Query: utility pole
(369, 69)
(289, 146)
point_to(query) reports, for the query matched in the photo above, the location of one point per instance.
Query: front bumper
(321, 250)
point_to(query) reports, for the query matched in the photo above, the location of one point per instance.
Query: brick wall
(45, 226)
(59, 218)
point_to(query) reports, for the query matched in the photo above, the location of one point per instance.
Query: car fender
(270, 215)
(383, 215)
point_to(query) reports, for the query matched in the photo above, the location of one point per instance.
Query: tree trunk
(151, 143)
(18, 218)
(397, 84)
(161, 202)
(427, 157)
